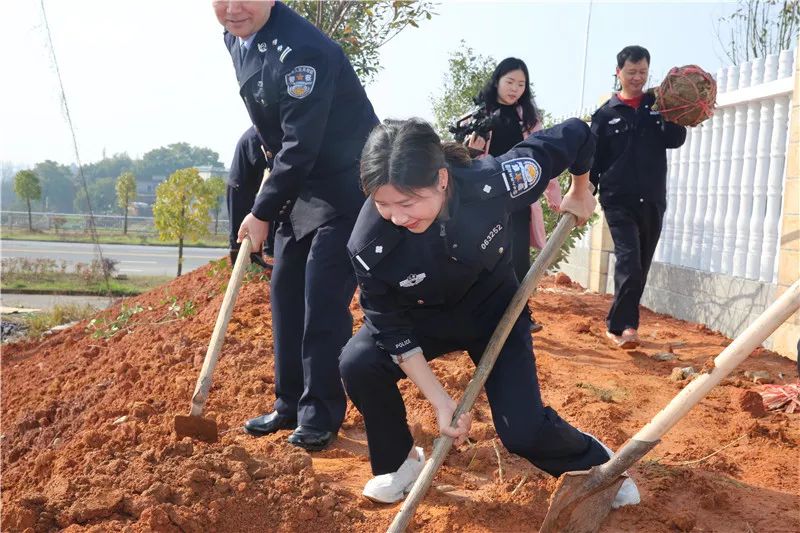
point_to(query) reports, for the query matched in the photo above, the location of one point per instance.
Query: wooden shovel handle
(736, 352)
(218, 336)
(496, 342)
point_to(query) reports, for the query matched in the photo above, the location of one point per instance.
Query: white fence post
(703, 193)
(735, 183)
(755, 227)
(723, 177)
(680, 202)
(696, 135)
(777, 161)
(747, 176)
(713, 178)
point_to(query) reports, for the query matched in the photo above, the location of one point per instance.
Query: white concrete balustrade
(725, 184)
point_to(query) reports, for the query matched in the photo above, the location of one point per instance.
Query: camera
(478, 120)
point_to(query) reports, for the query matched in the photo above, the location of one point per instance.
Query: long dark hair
(406, 154)
(488, 95)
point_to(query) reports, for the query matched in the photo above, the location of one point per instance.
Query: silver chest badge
(412, 279)
(262, 47)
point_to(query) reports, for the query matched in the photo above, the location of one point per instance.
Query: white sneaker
(628, 494)
(393, 487)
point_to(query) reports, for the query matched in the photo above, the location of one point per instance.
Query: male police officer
(250, 161)
(311, 111)
(630, 166)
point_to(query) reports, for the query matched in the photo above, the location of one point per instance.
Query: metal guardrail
(78, 222)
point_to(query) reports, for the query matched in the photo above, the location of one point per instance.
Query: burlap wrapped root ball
(686, 96)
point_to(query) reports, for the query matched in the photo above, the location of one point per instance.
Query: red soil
(67, 464)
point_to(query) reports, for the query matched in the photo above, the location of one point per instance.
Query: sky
(143, 74)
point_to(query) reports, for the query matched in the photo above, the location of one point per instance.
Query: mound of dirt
(87, 440)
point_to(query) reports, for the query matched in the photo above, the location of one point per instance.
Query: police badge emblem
(262, 47)
(300, 81)
(521, 175)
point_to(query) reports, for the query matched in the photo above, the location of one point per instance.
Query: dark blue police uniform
(446, 289)
(312, 113)
(244, 180)
(630, 171)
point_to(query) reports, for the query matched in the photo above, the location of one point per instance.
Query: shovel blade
(196, 427)
(575, 507)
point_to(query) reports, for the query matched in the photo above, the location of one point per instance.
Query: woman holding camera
(507, 98)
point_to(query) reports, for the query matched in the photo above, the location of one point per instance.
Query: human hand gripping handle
(254, 228)
(458, 430)
(419, 372)
(579, 199)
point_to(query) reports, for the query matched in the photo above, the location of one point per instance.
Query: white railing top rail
(760, 79)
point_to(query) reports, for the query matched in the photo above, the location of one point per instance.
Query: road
(133, 260)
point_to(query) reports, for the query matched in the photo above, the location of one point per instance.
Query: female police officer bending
(430, 253)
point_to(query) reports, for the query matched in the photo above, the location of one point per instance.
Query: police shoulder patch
(521, 175)
(300, 81)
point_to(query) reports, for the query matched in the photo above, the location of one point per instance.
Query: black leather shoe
(536, 327)
(269, 423)
(311, 439)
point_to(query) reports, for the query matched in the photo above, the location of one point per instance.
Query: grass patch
(75, 284)
(106, 237)
(106, 326)
(38, 323)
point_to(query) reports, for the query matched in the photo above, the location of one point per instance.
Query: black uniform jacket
(310, 110)
(630, 165)
(459, 262)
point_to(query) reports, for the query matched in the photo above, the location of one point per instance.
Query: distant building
(146, 188)
(206, 171)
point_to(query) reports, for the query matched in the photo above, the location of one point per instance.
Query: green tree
(102, 194)
(27, 187)
(8, 199)
(126, 194)
(759, 28)
(181, 208)
(58, 189)
(362, 27)
(165, 160)
(466, 74)
(109, 167)
(216, 188)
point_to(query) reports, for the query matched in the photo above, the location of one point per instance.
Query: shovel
(583, 499)
(194, 425)
(496, 342)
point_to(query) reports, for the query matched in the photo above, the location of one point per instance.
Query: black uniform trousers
(635, 231)
(311, 288)
(524, 425)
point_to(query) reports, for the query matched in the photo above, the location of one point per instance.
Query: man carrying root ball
(630, 170)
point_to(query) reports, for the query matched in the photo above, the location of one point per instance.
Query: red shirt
(633, 102)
